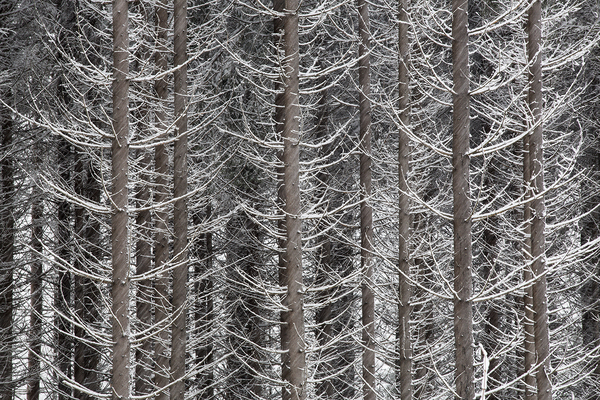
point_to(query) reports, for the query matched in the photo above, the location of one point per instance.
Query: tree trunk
(62, 301)
(161, 241)
(537, 206)
(404, 363)
(120, 248)
(463, 286)
(528, 315)
(87, 295)
(278, 25)
(178, 344)
(295, 375)
(204, 315)
(35, 319)
(366, 212)
(143, 354)
(7, 242)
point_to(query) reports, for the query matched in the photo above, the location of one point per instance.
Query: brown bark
(143, 354)
(143, 251)
(528, 317)
(7, 243)
(35, 318)
(295, 376)
(120, 249)
(161, 241)
(62, 301)
(404, 363)
(366, 212)
(204, 315)
(325, 389)
(537, 206)
(463, 310)
(178, 340)
(278, 25)
(87, 294)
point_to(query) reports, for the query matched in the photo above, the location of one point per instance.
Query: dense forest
(318, 199)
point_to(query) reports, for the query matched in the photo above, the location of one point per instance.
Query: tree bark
(7, 243)
(62, 301)
(404, 363)
(537, 206)
(528, 317)
(204, 315)
(35, 318)
(278, 25)
(178, 344)
(295, 375)
(119, 224)
(366, 212)
(463, 286)
(161, 241)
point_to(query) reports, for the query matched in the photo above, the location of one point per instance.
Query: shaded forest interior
(319, 199)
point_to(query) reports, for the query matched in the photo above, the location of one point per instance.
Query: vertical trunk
(62, 300)
(404, 367)
(366, 213)
(120, 248)
(204, 315)
(35, 342)
(278, 25)
(178, 343)
(537, 206)
(7, 242)
(143, 251)
(87, 295)
(295, 375)
(161, 241)
(325, 389)
(492, 319)
(143, 369)
(463, 310)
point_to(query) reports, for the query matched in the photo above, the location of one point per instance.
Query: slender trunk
(7, 242)
(528, 316)
(325, 389)
(537, 206)
(404, 366)
(278, 6)
(87, 294)
(590, 290)
(366, 212)
(178, 339)
(120, 248)
(492, 319)
(295, 375)
(463, 310)
(143, 354)
(204, 315)
(62, 301)
(35, 342)
(161, 241)
(143, 251)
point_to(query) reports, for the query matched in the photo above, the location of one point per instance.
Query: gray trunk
(119, 224)
(161, 240)
(537, 206)
(295, 376)
(404, 363)
(463, 286)
(35, 319)
(366, 212)
(180, 214)
(7, 243)
(528, 317)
